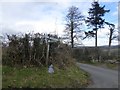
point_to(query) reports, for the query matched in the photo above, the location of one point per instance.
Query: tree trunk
(96, 39)
(110, 40)
(97, 55)
(72, 39)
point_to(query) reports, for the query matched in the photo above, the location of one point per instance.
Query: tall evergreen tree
(95, 20)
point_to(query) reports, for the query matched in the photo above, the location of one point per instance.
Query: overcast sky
(48, 17)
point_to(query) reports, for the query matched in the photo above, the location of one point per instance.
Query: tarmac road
(101, 77)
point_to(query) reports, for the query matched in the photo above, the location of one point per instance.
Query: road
(101, 77)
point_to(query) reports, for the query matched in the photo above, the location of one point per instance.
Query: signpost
(48, 40)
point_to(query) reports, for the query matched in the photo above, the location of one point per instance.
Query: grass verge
(112, 66)
(36, 77)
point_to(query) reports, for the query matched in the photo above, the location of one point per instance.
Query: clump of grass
(112, 66)
(39, 77)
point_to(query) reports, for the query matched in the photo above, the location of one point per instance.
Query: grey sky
(48, 16)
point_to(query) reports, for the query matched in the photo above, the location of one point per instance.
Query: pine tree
(95, 20)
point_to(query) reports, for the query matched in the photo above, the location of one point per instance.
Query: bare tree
(74, 20)
(112, 36)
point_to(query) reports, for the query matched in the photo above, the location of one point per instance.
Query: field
(39, 77)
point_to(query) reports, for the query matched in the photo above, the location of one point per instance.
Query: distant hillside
(102, 47)
(112, 47)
